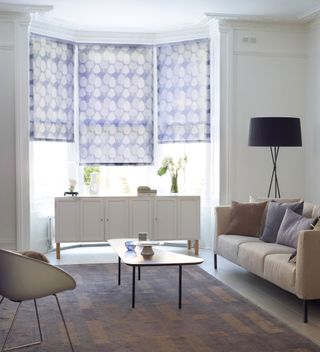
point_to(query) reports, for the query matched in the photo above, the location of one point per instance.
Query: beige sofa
(270, 260)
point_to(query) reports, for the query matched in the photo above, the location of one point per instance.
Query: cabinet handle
(156, 219)
(101, 219)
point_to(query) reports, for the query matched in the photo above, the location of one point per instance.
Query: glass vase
(174, 184)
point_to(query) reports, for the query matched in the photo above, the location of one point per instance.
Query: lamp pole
(274, 155)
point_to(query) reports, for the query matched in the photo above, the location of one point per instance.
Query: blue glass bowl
(130, 246)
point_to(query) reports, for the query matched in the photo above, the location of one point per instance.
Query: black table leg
(119, 270)
(139, 272)
(180, 285)
(133, 285)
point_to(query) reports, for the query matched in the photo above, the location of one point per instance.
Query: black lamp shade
(275, 132)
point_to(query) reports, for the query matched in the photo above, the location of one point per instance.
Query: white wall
(7, 137)
(263, 73)
(313, 112)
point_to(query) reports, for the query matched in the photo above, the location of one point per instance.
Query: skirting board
(8, 244)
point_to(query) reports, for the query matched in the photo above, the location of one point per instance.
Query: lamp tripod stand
(274, 155)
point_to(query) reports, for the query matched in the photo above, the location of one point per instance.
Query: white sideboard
(97, 219)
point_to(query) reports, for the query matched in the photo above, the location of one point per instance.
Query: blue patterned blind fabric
(51, 89)
(116, 104)
(183, 92)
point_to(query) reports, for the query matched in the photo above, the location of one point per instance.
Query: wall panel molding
(270, 54)
(22, 133)
(6, 46)
(226, 111)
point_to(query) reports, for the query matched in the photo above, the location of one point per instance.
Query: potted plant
(169, 165)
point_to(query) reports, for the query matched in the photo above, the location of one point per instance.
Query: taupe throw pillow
(246, 218)
(291, 226)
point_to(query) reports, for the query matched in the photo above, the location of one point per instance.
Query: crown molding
(15, 8)
(290, 27)
(60, 29)
(11, 12)
(184, 34)
(251, 18)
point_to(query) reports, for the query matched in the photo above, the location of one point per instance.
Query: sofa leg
(215, 261)
(305, 310)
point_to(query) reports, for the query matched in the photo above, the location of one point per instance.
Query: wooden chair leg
(196, 247)
(58, 250)
(189, 244)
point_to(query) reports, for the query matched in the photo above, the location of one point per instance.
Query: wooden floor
(284, 306)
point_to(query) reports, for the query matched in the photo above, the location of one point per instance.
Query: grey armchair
(23, 278)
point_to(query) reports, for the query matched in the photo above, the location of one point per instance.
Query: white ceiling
(155, 15)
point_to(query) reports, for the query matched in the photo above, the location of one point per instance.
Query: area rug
(99, 314)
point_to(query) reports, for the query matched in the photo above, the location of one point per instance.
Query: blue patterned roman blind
(115, 104)
(51, 89)
(183, 92)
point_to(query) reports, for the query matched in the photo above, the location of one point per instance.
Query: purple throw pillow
(291, 226)
(274, 218)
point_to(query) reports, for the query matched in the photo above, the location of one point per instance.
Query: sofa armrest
(222, 217)
(308, 265)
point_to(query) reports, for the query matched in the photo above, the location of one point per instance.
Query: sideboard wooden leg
(58, 250)
(189, 244)
(196, 247)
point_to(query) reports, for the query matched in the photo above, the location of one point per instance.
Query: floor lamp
(275, 132)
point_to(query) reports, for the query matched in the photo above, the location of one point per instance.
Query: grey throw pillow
(291, 226)
(274, 218)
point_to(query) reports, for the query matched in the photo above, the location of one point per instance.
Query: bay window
(117, 110)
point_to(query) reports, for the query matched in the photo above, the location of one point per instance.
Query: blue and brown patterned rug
(99, 315)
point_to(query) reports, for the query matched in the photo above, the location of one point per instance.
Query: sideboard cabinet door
(141, 216)
(165, 218)
(67, 220)
(116, 218)
(188, 218)
(92, 219)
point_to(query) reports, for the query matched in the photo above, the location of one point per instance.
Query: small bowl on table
(130, 245)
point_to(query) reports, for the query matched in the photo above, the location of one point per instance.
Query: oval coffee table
(160, 258)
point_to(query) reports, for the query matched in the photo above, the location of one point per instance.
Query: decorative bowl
(130, 245)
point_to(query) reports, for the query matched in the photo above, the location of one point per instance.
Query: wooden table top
(160, 257)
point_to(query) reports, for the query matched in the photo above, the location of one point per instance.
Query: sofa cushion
(315, 211)
(308, 209)
(291, 226)
(251, 255)
(246, 218)
(274, 218)
(228, 245)
(279, 271)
